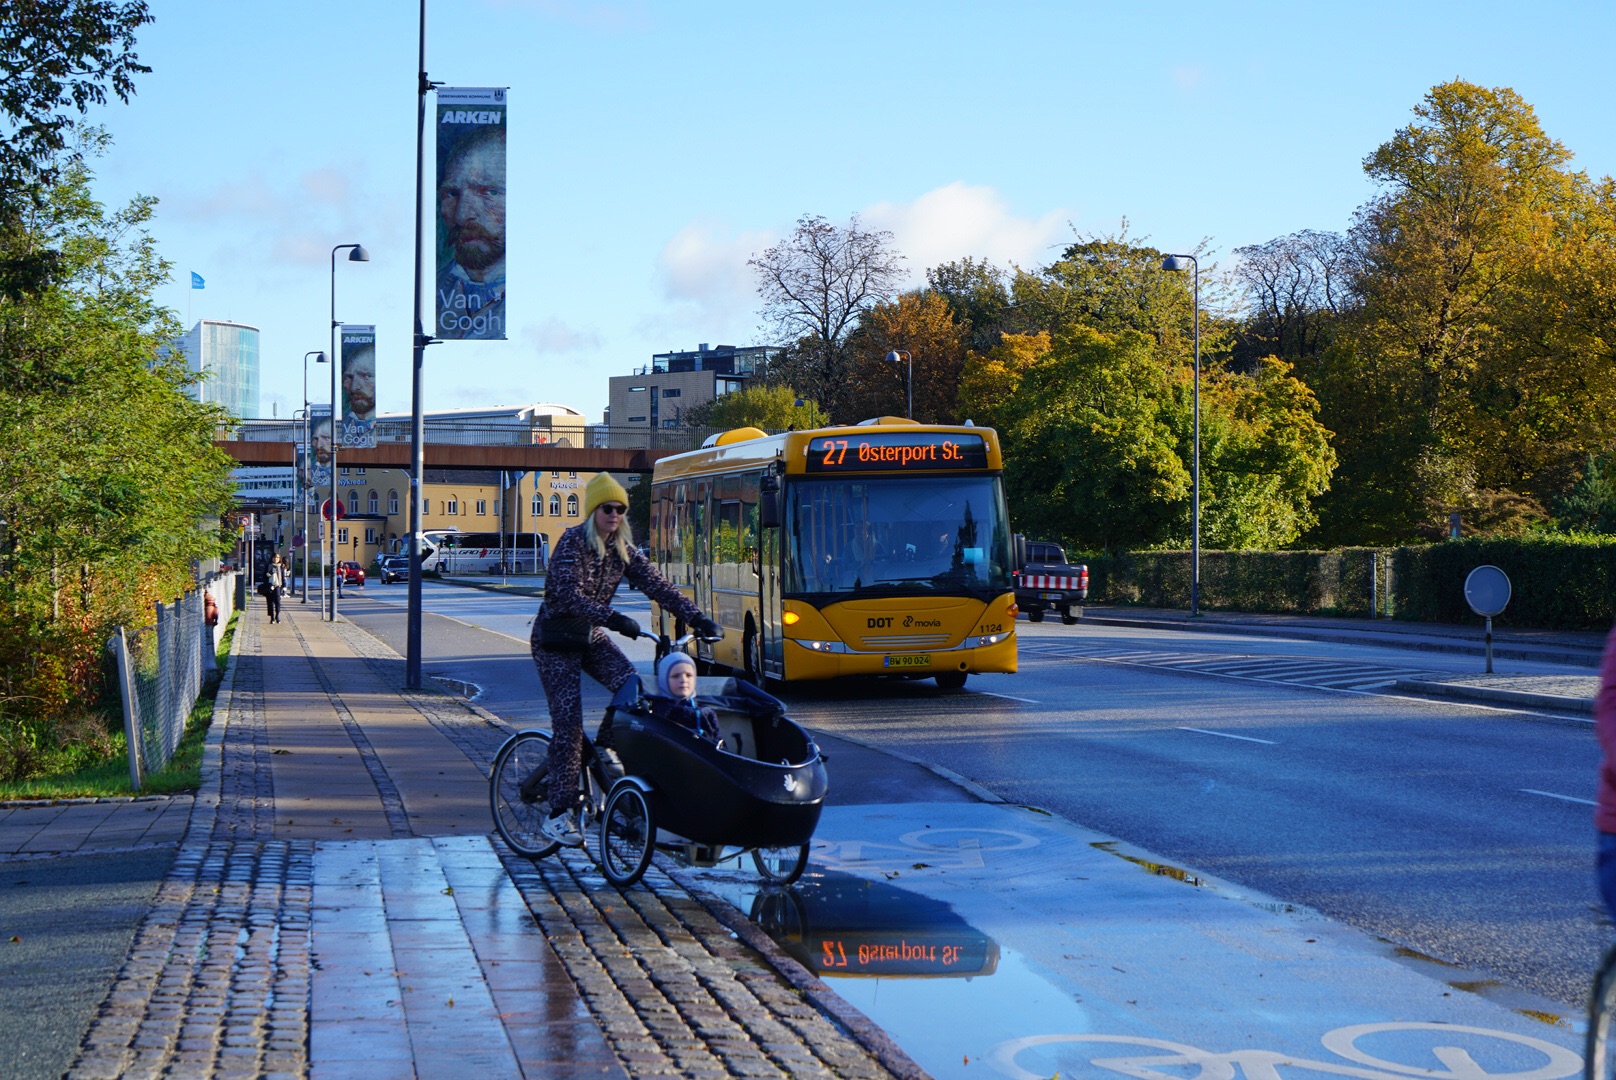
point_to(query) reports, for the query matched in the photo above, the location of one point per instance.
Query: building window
(343, 471)
(636, 419)
(342, 535)
(370, 535)
(555, 505)
(482, 507)
(572, 506)
(392, 502)
(426, 507)
(555, 474)
(572, 473)
(375, 503)
(353, 502)
(538, 506)
(453, 509)
(322, 531)
(360, 471)
(670, 393)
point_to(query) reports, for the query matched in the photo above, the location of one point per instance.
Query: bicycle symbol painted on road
(946, 848)
(1450, 1045)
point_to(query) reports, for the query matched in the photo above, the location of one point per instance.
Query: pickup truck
(1047, 581)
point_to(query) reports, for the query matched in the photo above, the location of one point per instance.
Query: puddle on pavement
(459, 687)
(947, 993)
(1159, 869)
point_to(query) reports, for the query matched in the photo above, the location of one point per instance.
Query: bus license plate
(922, 660)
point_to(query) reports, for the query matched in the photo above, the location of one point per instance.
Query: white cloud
(555, 336)
(1188, 78)
(702, 270)
(960, 220)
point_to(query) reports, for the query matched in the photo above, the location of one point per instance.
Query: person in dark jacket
(569, 634)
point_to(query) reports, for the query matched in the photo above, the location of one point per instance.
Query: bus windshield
(894, 535)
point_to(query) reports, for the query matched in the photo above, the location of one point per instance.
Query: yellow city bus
(881, 548)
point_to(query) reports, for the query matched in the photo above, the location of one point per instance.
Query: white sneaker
(563, 829)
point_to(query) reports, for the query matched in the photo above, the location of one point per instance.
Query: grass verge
(95, 763)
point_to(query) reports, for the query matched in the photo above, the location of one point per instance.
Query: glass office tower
(227, 355)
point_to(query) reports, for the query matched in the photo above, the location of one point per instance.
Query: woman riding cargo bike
(569, 635)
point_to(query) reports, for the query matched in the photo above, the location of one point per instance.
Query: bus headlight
(822, 646)
(986, 639)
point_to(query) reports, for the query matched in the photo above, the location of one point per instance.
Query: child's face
(682, 681)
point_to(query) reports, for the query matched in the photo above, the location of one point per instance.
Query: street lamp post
(908, 380)
(1176, 263)
(308, 451)
(356, 253)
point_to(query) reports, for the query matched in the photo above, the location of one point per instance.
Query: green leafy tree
(921, 324)
(771, 408)
(1590, 504)
(979, 299)
(108, 475)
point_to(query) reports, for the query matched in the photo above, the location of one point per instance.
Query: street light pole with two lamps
(908, 381)
(356, 253)
(1176, 263)
(308, 453)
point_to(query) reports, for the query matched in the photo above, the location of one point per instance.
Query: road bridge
(516, 456)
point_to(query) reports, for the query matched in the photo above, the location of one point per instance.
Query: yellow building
(376, 505)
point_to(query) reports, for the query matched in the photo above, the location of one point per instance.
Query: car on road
(391, 568)
(1048, 582)
(351, 572)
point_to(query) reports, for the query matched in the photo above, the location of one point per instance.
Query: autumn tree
(1483, 289)
(1297, 288)
(921, 324)
(979, 299)
(815, 285)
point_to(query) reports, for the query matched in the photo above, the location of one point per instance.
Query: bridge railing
(493, 433)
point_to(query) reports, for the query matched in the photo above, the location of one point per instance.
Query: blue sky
(656, 146)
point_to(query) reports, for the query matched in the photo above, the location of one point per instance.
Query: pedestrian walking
(569, 634)
(1605, 808)
(273, 585)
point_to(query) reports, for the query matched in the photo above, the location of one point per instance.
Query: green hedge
(1558, 583)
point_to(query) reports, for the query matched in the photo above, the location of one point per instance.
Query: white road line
(1008, 697)
(1226, 735)
(1562, 798)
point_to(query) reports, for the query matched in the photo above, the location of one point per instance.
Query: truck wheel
(1035, 614)
(1067, 617)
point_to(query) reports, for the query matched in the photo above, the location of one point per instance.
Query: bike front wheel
(627, 835)
(781, 866)
(519, 793)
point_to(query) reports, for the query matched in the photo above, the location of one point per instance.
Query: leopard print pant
(559, 672)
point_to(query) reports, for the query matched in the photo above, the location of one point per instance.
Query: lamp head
(1175, 263)
(894, 357)
(359, 254)
(319, 358)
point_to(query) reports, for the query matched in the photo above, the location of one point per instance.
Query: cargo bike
(759, 791)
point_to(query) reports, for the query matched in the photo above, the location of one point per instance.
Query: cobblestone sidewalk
(298, 957)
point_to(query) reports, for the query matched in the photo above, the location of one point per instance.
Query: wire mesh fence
(161, 670)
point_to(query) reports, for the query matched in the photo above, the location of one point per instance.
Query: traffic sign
(325, 510)
(1486, 590)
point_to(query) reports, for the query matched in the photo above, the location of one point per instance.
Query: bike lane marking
(1196, 973)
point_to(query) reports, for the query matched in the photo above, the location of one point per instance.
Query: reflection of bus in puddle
(839, 925)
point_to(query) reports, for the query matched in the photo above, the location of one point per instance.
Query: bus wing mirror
(1018, 545)
(769, 501)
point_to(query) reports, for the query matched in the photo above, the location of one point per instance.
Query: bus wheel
(950, 680)
(752, 652)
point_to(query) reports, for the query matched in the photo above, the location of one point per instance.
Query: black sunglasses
(614, 508)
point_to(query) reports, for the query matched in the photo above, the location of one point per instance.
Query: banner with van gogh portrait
(471, 214)
(320, 446)
(358, 386)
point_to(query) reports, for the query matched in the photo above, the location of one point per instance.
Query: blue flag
(196, 281)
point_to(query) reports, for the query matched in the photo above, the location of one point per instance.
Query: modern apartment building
(658, 395)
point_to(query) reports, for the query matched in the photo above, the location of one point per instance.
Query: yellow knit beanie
(602, 488)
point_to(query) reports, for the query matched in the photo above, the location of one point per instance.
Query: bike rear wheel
(627, 835)
(519, 793)
(1599, 1063)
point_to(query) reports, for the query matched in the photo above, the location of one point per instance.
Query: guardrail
(161, 669)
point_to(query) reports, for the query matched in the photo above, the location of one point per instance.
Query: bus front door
(773, 647)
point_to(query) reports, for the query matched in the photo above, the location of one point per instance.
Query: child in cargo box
(676, 680)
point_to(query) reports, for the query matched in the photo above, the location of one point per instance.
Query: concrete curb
(1546, 653)
(1496, 696)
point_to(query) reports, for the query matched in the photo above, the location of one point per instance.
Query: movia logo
(910, 620)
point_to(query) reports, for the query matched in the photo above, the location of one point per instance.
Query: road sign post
(1487, 591)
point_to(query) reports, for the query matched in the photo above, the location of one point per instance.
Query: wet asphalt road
(1435, 826)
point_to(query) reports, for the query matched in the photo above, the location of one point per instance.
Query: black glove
(624, 625)
(705, 629)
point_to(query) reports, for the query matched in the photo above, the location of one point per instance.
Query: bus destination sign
(891, 451)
